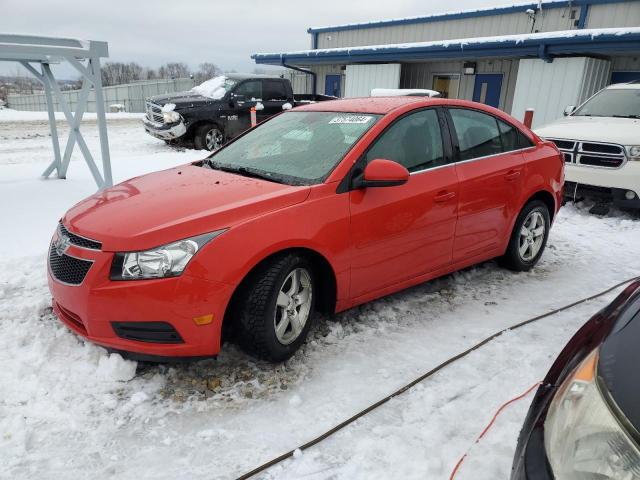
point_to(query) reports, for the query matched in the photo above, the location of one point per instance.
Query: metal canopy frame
(36, 54)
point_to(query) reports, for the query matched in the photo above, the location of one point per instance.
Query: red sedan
(320, 208)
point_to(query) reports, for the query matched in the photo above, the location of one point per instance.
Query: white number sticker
(351, 119)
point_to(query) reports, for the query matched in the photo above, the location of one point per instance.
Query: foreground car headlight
(166, 261)
(583, 438)
(170, 117)
(634, 152)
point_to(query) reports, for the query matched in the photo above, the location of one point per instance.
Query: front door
(490, 170)
(487, 88)
(402, 232)
(246, 95)
(332, 85)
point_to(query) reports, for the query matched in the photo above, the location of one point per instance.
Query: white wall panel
(550, 87)
(361, 79)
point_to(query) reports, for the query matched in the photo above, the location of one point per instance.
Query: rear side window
(478, 134)
(512, 138)
(414, 141)
(274, 90)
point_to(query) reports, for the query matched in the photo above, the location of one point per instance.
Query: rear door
(405, 231)
(490, 170)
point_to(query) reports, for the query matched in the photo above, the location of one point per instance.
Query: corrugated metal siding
(131, 95)
(420, 75)
(361, 79)
(511, 23)
(626, 14)
(565, 81)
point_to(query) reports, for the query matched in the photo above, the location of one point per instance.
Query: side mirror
(569, 110)
(382, 173)
(235, 100)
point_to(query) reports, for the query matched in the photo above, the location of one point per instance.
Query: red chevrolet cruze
(320, 208)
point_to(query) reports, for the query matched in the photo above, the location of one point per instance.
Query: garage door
(361, 79)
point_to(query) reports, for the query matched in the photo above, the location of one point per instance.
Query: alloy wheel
(213, 139)
(531, 236)
(293, 306)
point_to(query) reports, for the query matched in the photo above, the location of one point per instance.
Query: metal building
(504, 57)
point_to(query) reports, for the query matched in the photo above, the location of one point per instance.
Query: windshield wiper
(626, 116)
(245, 172)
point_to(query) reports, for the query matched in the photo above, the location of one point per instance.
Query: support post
(528, 117)
(94, 66)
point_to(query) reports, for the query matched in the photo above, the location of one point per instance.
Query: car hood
(619, 358)
(623, 131)
(182, 99)
(161, 207)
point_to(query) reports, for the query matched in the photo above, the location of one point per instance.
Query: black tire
(200, 137)
(513, 259)
(254, 308)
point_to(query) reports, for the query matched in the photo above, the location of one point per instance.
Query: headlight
(634, 152)
(166, 261)
(170, 117)
(583, 438)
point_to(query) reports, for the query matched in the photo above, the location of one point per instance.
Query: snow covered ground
(69, 410)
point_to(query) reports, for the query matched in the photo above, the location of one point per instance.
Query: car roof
(245, 76)
(377, 105)
(635, 85)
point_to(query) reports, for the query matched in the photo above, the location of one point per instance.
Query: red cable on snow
(486, 429)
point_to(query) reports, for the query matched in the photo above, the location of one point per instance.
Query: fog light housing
(630, 195)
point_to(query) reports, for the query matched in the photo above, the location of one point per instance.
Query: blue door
(332, 85)
(487, 89)
(623, 77)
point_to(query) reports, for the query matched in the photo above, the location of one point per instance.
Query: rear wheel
(529, 237)
(274, 309)
(208, 137)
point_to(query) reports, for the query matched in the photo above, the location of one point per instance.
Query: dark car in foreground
(584, 421)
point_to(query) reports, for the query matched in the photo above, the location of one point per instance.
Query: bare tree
(174, 70)
(206, 70)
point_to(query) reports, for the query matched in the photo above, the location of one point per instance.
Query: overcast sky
(194, 31)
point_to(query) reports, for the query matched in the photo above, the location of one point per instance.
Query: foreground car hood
(619, 360)
(624, 131)
(161, 207)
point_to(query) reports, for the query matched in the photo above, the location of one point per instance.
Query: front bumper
(163, 131)
(608, 185)
(91, 308)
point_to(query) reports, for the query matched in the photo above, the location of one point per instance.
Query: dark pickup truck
(219, 109)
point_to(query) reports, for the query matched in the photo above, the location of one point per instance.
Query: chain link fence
(128, 97)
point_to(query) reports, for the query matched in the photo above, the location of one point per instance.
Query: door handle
(444, 196)
(512, 175)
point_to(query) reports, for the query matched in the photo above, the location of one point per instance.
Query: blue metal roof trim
(584, 44)
(460, 15)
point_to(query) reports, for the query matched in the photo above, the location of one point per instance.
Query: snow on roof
(495, 10)
(462, 42)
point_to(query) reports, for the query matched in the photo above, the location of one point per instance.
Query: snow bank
(213, 88)
(396, 92)
(11, 115)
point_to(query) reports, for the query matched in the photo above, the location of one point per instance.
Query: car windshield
(613, 102)
(297, 148)
(215, 88)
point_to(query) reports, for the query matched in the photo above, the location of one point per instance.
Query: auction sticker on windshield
(351, 119)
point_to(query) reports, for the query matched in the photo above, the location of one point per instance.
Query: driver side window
(414, 141)
(251, 90)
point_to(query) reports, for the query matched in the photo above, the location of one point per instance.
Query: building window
(447, 84)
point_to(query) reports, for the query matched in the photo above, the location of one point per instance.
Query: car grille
(77, 239)
(594, 154)
(68, 269)
(154, 112)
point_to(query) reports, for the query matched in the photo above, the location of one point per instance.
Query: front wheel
(529, 237)
(274, 309)
(208, 137)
